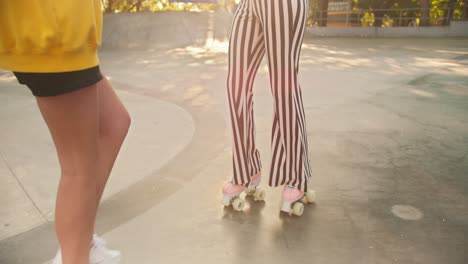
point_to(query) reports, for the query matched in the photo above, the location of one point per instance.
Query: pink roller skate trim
(292, 194)
(256, 179)
(256, 176)
(233, 189)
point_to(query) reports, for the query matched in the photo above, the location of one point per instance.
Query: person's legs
(284, 25)
(114, 122)
(246, 50)
(73, 121)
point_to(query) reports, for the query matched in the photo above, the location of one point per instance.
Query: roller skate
(294, 200)
(232, 193)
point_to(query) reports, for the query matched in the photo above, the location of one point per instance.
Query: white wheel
(238, 204)
(226, 202)
(250, 192)
(259, 195)
(310, 196)
(298, 209)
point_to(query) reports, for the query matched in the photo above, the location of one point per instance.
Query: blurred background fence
(325, 13)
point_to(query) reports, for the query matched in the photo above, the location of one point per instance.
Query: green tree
(122, 6)
(318, 12)
(323, 7)
(382, 9)
(431, 12)
(444, 11)
(425, 13)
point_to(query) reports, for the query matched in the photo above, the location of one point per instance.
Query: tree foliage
(372, 12)
(398, 12)
(124, 6)
(433, 10)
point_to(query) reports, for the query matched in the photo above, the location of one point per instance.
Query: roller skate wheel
(227, 200)
(298, 209)
(226, 203)
(259, 195)
(238, 204)
(311, 196)
(250, 192)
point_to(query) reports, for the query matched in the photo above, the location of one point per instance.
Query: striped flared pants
(274, 27)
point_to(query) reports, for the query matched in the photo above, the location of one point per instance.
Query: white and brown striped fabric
(274, 27)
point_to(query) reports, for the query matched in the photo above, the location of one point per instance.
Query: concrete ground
(388, 133)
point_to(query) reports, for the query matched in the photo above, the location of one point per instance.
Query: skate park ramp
(387, 126)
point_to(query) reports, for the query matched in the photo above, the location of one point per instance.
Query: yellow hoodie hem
(50, 62)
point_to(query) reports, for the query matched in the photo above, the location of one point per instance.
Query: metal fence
(408, 17)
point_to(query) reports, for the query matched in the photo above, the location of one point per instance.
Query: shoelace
(98, 242)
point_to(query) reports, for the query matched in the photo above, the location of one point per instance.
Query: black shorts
(53, 84)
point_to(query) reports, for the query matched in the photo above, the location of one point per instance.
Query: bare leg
(73, 120)
(114, 122)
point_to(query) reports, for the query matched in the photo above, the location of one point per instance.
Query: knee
(116, 126)
(126, 120)
(124, 123)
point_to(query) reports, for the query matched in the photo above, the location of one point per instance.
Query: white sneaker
(99, 253)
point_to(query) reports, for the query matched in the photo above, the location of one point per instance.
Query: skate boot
(232, 193)
(294, 200)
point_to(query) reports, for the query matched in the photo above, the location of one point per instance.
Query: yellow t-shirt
(49, 35)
